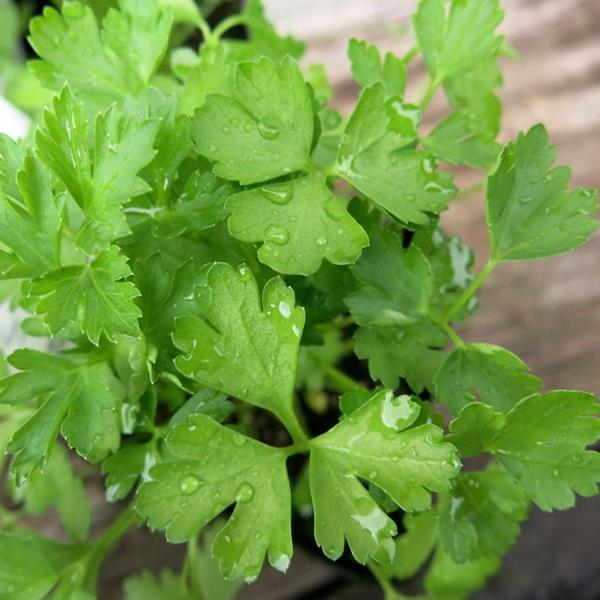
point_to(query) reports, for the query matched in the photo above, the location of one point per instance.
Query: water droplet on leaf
(277, 234)
(189, 484)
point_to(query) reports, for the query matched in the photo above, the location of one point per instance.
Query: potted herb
(256, 306)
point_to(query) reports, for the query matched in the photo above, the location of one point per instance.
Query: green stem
(191, 567)
(292, 424)
(428, 95)
(95, 555)
(383, 581)
(471, 289)
(343, 382)
(204, 27)
(448, 330)
(227, 24)
(412, 53)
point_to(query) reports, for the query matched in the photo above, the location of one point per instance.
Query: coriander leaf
(241, 343)
(263, 38)
(473, 94)
(451, 263)
(30, 213)
(482, 516)
(415, 545)
(146, 586)
(300, 222)
(9, 32)
(367, 67)
(30, 566)
(455, 43)
(484, 372)
(212, 468)
(102, 180)
(125, 467)
(375, 444)
(206, 401)
(530, 213)
(100, 66)
(59, 486)
(83, 398)
(411, 353)
(541, 441)
(395, 282)
(448, 580)
(455, 141)
(92, 299)
(376, 156)
(263, 130)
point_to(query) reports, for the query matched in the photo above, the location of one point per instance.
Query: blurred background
(547, 312)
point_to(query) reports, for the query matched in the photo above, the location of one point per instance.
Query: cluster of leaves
(211, 242)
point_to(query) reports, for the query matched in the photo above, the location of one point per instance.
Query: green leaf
(395, 282)
(486, 373)
(263, 37)
(456, 42)
(86, 397)
(92, 299)
(212, 468)
(58, 486)
(483, 515)
(30, 565)
(241, 344)
(299, 223)
(124, 468)
(9, 31)
(415, 545)
(454, 140)
(375, 444)
(30, 213)
(376, 156)
(412, 353)
(530, 213)
(146, 586)
(101, 180)
(541, 441)
(448, 580)
(206, 401)
(368, 68)
(268, 115)
(100, 66)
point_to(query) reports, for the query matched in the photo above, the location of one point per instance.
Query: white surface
(12, 121)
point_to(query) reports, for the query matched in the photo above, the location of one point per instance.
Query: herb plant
(254, 305)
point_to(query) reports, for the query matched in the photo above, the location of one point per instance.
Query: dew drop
(409, 197)
(244, 493)
(277, 234)
(239, 440)
(526, 200)
(189, 484)
(280, 195)
(234, 122)
(226, 129)
(373, 474)
(268, 132)
(334, 210)
(248, 127)
(321, 241)
(245, 273)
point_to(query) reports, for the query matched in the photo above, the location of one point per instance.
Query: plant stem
(343, 382)
(383, 581)
(429, 92)
(471, 289)
(191, 567)
(448, 330)
(412, 53)
(227, 24)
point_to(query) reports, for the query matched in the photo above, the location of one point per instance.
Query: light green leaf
(541, 442)
(486, 373)
(376, 156)
(92, 299)
(263, 130)
(212, 468)
(530, 213)
(241, 344)
(58, 486)
(367, 67)
(146, 586)
(375, 444)
(454, 140)
(30, 213)
(482, 516)
(395, 282)
(100, 66)
(412, 353)
(300, 223)
(30, 565)
(456, 42)
(86, 397)
(101, 180)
